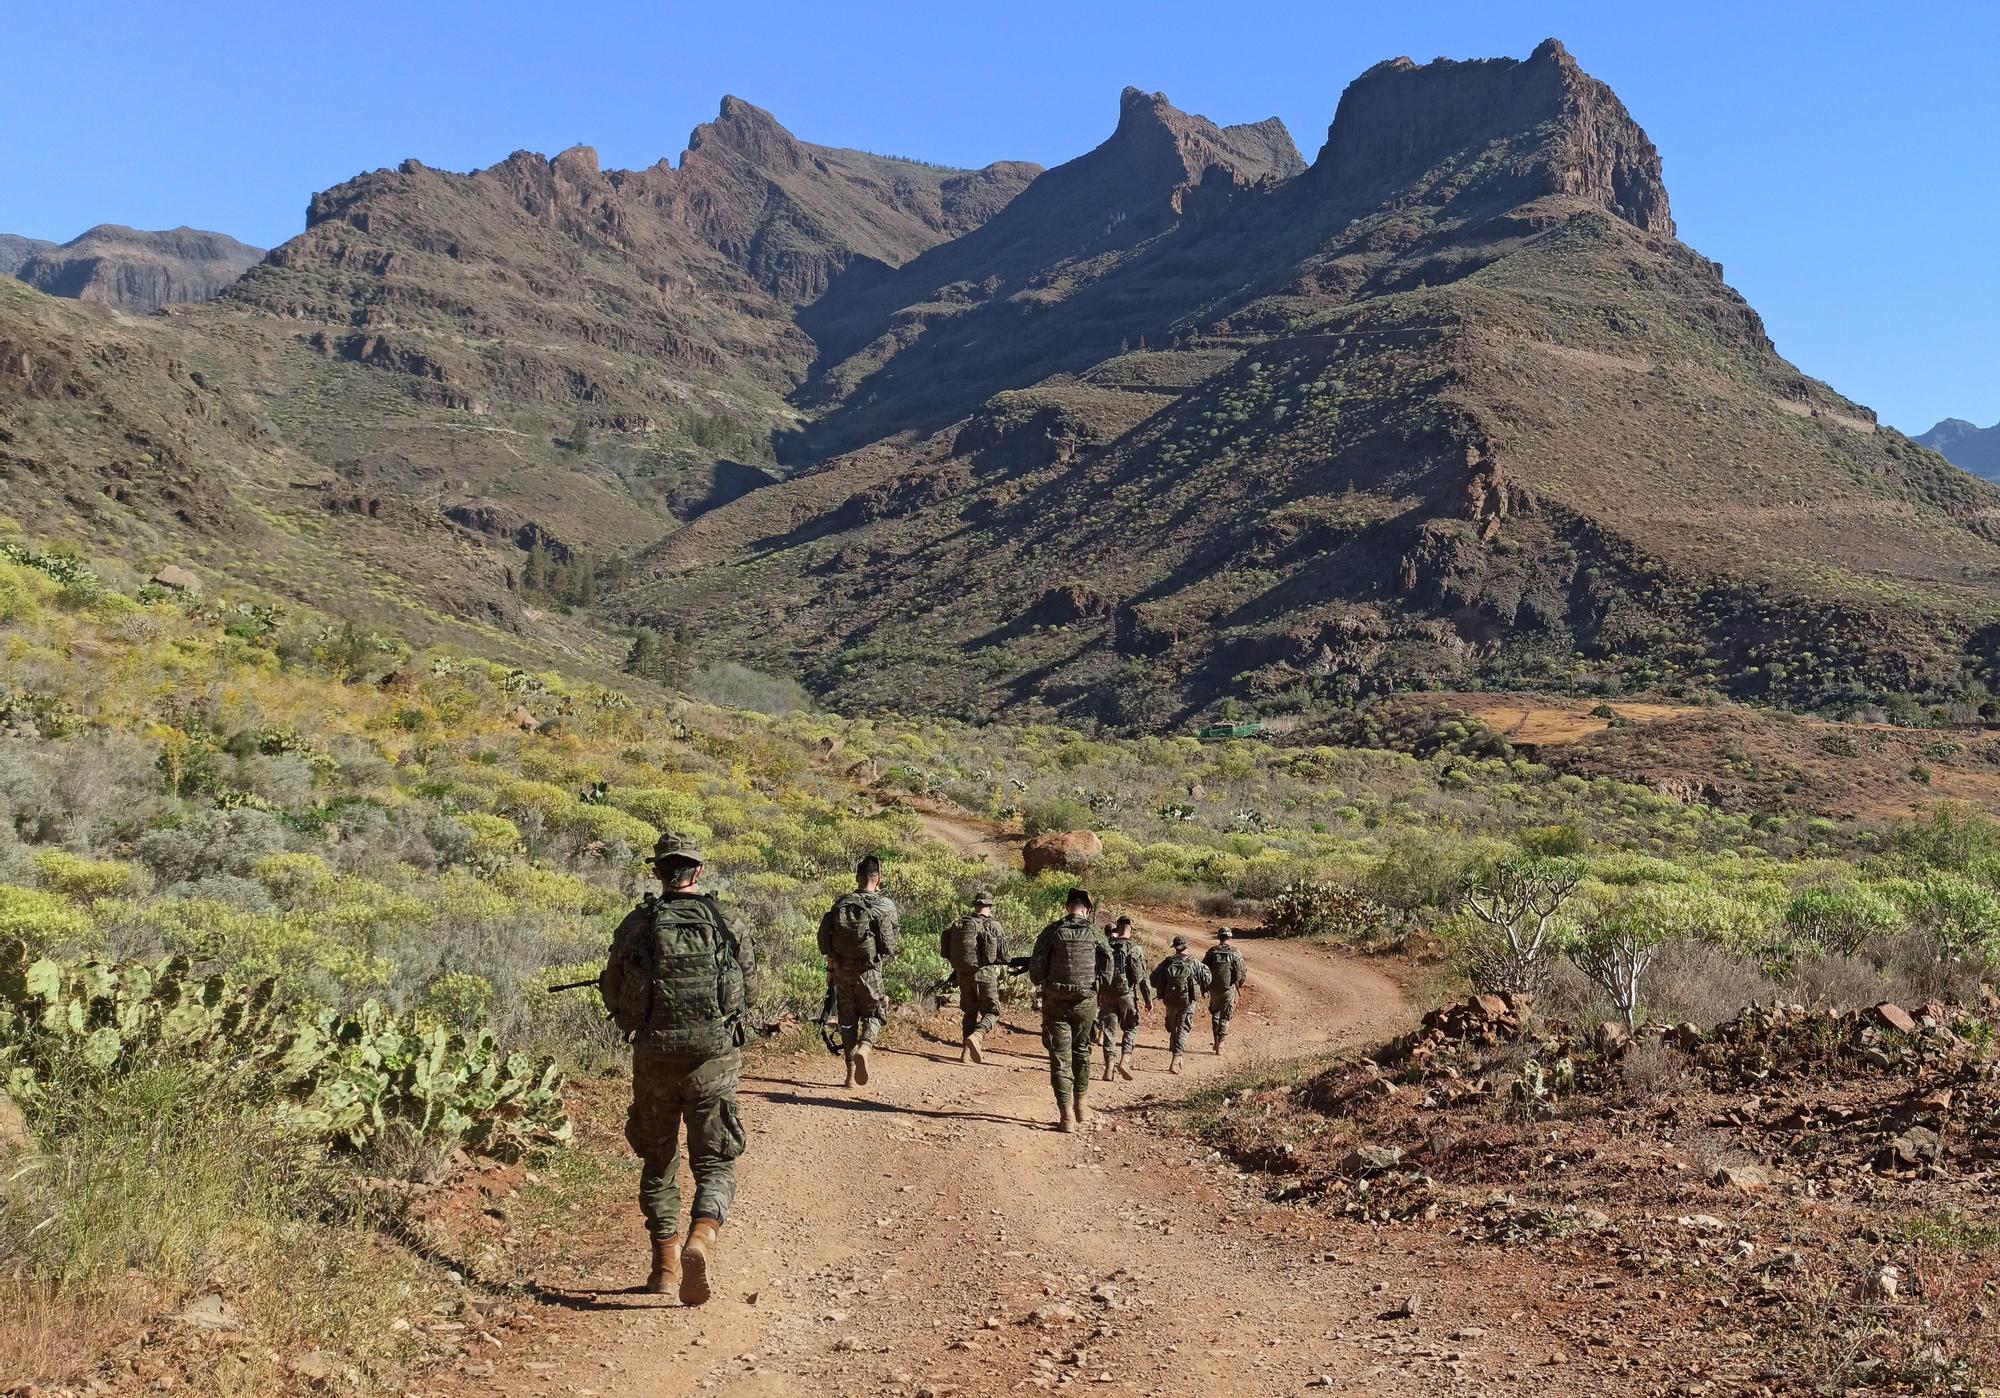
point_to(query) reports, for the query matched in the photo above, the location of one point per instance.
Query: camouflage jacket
(1128, 974)
(973, 943)
(675, 978)
(860, 932)
(1225, 966)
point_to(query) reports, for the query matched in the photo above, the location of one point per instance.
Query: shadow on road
(811, 1097)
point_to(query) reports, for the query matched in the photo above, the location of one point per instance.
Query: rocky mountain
(1182, 419)
(132, 270)
(1976, 449)
(1450, 405)
(14, 250)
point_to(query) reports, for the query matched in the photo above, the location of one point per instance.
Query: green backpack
(674, 985)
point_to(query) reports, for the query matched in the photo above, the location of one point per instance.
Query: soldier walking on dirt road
(1179, 980)
(1071, 960)
(1226, 973)
(975, 947)
(674, 984)
(859, 934)
(1119, 1001)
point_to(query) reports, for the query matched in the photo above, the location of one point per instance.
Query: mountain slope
(14, 250)
(136, 271)
(1976, 449)
(1450, 404)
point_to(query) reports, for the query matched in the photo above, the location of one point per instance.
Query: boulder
(1895, 1017)
(1066, 852)
(1371, 1160)
(1611, 1037)
(178, 578)
(1748, 1178)
(523, 720)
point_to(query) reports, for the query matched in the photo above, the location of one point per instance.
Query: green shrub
(1055, 815)
(84, 879)
(39, 919)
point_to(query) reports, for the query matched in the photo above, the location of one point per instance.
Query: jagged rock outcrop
(137, 271)
(1522, 127)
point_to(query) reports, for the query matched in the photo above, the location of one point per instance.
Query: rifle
(1017, 965)
(571, 985)
(829, 1018)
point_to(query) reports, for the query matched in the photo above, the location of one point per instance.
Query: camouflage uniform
(1226, 975)
(674, 982)
(1179, 981)
(856, 976)
(1071, 959)
(1119, 1002)
(976, 949)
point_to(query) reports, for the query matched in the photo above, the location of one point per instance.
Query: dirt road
(931, 1234)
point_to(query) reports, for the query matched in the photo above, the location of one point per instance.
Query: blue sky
(1841, 160)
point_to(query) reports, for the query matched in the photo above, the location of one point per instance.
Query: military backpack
(852, 943)
(1179, 979)
(1073, 959)
(673, 982)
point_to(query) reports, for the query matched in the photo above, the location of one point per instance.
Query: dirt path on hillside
(930, 1234)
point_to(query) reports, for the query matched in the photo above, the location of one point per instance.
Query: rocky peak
(1561, 130)
(139, 271)
(748, 131)
(1180, 146)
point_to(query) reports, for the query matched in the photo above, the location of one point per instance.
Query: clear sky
(1841, 160)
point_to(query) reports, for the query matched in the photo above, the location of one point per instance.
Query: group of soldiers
(674, 984)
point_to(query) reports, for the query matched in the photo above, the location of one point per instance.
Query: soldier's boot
(850, 1069)
(1067, 1123)
(1107, 1063)
(861, 1063)
(666, 1265)
(1082, 1113)
(1175, 1066)
(696, 1255)
(976, 1046)
(1125, 1064)
(965, 1049)
(1218, 1043)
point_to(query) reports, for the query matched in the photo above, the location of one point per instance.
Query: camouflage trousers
(668, 1092)
(1068, 1022)
(862, 1003)
(1180, 1024)
(1118, 1024)
(978, 1000)
(1221, 1006)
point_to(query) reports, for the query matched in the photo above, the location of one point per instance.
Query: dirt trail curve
(902, 1238)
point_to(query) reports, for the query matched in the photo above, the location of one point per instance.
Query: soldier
(1118, 1003)
(674, 983)
(1179, 980)
(976, 948)
(859, 933)
(1226, 973)
(1070, 961)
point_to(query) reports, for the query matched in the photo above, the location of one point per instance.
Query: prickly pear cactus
(340, 1078)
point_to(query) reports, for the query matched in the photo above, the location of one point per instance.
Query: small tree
(1618, 945)
(1518, 904)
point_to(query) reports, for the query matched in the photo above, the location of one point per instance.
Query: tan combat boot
(1175, 1066)
(697, 1253)
(1082, 1114)
(1107, 1065)
(1125, 1064)
(861, 1063)
(1068, 1122)
(965, 1049)
(666, 1266)
(850, 1069)
(975, 1044)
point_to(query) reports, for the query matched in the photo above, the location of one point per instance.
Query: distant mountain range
(1977, 449)
(1188, 417)
(129, 269)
